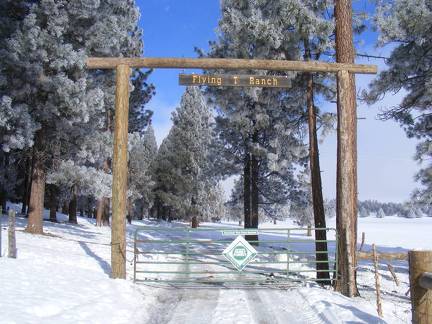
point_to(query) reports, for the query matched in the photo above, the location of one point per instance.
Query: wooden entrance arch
(346, 167)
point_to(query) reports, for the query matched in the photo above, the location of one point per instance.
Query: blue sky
(173, 28)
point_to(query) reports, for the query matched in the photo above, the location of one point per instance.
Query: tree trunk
(4, 163)
(141, 214)
(53, 204)
(3, 194)
(106, 212)
(99, 211)
(53, 212)
(29, 191)
(247, 191)
(73, 207)
(254, 199)
(346, 187)
(195, 222)
(3, 200)
(37, 192)
(129, 211)
(65, 208)
(322, 266)
(26, 186)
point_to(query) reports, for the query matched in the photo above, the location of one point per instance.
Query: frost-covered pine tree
(330, 208)
(211, 202)
(46, 75)
(406, 25)
(142, 153)
(183, 166)
(418, 212)
(16, 125)
(363, 212)
(301, 208)
(46, 71)
(235, 203)
(258, 129)
(113, 30)
(380, 213)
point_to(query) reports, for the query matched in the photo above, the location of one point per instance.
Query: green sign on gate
(239, 253)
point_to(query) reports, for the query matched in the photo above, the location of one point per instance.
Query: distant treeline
(381, 209)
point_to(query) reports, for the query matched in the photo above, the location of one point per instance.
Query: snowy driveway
(64, 278)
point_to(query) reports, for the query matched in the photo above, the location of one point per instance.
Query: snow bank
(64, 279)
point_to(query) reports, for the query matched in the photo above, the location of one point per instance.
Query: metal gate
(186, 256)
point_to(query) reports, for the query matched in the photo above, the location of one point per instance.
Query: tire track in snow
(185, 305)
(308, 312)
(233, 306)
(270, 306)
(259, 309)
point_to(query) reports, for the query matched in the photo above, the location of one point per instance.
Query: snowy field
(63, 277)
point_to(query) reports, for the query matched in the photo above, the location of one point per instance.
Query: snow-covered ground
(63, 277)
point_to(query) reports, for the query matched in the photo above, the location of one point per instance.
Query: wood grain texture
(227, 64)
(119, 186)
(421, 298)
(347, 185)
(377, 282)
(12, 251)
(383, 256)
(346, 182)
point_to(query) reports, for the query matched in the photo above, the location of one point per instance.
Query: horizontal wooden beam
(227, 64)
(383, 256)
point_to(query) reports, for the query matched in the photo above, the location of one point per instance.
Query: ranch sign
(233, 80)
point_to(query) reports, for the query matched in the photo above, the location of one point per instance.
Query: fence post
(135, 255)
(1, 217)
(421, 298)
(11, 235)
(377, 282)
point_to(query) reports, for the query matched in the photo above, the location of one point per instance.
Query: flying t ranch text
(232, 80)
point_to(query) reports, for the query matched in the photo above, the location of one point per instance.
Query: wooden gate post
(421, 297)
(347, 202)
(119, 185)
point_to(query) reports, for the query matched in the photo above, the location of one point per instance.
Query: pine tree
(363, 212)
(46, 71)
(46, 74)
(142, 152)
(380, 213)
(16, 126)
(301, 206)
(408, 69)
(182, 166)
(253, 123)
